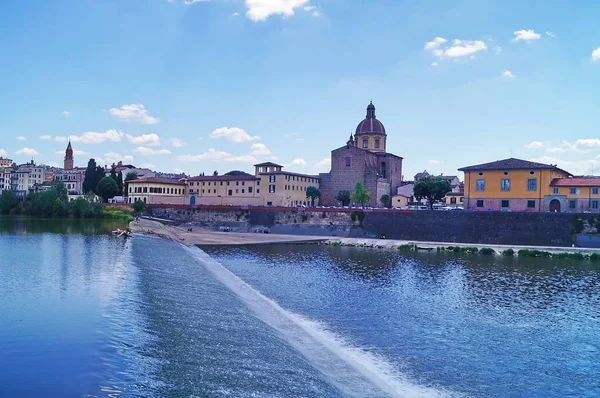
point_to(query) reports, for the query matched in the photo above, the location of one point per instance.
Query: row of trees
(107, 187)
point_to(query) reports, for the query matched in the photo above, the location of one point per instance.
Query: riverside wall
(535, 229)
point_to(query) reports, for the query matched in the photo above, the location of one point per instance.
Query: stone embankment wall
(535, 229)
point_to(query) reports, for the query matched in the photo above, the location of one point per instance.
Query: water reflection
(21, 225)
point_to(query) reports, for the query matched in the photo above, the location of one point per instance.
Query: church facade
(364, 158)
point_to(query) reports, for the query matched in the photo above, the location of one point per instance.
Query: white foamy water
(353, 370)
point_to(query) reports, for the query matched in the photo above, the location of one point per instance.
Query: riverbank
(202, 236)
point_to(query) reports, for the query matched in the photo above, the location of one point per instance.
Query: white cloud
(211, 154)
(508, 74)
(324, 164)
(596, 54)
(581, 145)
(113, 157)
(75, 152)
(3, 152)
(260, 10)
(298, 162)
(258, 148)
(233, 134)
(440, 48)
(20, 138)
(550, 34)
(177, 143)
(91, 137)
(144, 139)
(66, 113)
(535, 145)
(497, 50)
(235, 14)
(242, 159)
(313, 10)
(150, 166)
(435, 162)
(49, 137)
(434, 64)
(435, 43)
(27, 151)
(134, 113)
(145, 151)
(177, 171)
(526, 35)
(576, 167)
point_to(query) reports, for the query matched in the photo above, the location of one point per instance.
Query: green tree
(93, 175)
(78, 207)
(113, 173)
(61, 191)
(360, 194)
(107, 188)
(8, 201)
(138, 206)
(215, 173)
(58, 208)
(237, 173)
(343, 197)
(385, 200)
(120, 182)
(432, 188)
(313, 193)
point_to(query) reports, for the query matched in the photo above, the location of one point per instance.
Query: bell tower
(69, 157)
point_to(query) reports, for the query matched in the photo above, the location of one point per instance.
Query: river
(85, 314)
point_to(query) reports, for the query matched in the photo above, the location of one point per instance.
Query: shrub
(470, 250)
(487, 251)
(407, 248)
(595, 257)
(578, 225)
(508, 252)
(304, 217)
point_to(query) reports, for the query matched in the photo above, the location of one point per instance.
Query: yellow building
(512, 185)
(156, 190)
(240, 190)
(576, 194)
(454, 199)
(282, 188)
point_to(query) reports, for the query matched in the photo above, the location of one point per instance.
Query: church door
(193, 201)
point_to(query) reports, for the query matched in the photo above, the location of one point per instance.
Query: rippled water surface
(93, 315)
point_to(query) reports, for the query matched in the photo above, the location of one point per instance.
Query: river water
(86, 314)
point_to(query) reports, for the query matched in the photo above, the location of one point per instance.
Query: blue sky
(222, 84)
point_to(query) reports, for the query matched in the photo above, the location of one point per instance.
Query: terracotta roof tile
(576, 182)
(512, 164)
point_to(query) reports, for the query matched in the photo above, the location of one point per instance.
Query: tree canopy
(132, 175)
(107, 188)
(343, 197)
(93, 175)
(360, 194)
(313, 193)
(432, 188)
(237, 173)
(385, 200)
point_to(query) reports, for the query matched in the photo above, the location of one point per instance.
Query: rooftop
(267, 164)
(512, 164)
(576, 182)
(223, 178)
(157, 180)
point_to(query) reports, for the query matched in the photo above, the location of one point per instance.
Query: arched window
(383, 169)
(377, 142)
(365, 143)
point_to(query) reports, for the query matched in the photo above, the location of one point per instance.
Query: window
(250, 190)
(272, 178)
(555, 191)
(237, 183)
(257, 190)
(453, 200)
(243, 190)
(532, 184)
(221, 183)
(462, 199)
(377, 143)
(230, 193)
(531, 204)
(243, 183)
(594, 191)
(505, 185)
(479, 202)
(365, 143)
(573, 191)
(271, 188)
(214, 191)
(504, 204)
(480, 185)
(347, 162)
(594, 204)
(572, 204)
(237, 191)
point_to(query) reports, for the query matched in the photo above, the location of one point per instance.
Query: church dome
(370, 125)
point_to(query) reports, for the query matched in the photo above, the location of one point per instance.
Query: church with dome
(363, 158)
